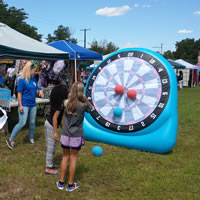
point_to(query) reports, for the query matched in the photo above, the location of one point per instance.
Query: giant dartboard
(134, 98)
(130, 71)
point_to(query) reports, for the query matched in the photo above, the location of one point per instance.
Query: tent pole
(75, 68)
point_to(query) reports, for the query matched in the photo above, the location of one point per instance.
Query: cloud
(196, 13)
(113, 11)
(146, 6)
(136, 5)
(185, 31)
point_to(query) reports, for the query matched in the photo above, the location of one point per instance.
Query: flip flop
(51, 173)
(55, 167)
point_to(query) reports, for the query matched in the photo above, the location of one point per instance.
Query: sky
(151, 24)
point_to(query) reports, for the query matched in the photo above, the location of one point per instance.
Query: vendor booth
(190, 73)
(15, 45)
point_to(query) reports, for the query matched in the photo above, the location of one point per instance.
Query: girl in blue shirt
(27, 90)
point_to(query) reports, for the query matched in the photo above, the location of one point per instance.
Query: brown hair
(76, 96)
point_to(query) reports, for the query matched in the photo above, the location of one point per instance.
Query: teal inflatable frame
(159, 137)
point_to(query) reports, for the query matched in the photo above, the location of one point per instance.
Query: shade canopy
(186, 64)
(15, 45)
(176, 65)
(76, 52)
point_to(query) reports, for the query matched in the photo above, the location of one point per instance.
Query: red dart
(119, 89)
(131, 94)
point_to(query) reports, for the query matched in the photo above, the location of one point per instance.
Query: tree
(15, 18)
(169, 55)
(186, 49)
(103, 47)
(61, 33)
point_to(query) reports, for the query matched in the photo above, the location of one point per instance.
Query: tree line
(186, 49)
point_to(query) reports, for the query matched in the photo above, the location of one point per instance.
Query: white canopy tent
(15, 45)
(186, 64)
(189, 68)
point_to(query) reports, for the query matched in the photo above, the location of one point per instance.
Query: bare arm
(40, 93)
(55, 124)
(19, 97)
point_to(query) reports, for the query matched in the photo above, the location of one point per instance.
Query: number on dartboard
(131, 128)
(152, 61)
(107, 124)
(93, 108)
(130, 54)
(153, 116)
(108, 61)
(164, 81)
(98, 117)
(165, 93)
(161, 105)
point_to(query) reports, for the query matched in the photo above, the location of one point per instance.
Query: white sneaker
(31, 141)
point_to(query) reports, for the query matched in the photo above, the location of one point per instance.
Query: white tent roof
(14, 44)
(186, 64)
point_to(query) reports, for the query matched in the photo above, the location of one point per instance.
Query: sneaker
(11, 144)
(72, 188)
(59, 185)
(31, 141)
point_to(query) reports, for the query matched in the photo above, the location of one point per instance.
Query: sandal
(51, 172)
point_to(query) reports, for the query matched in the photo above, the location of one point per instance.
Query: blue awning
(76, 52)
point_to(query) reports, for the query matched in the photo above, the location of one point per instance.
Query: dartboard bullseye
(132, 92)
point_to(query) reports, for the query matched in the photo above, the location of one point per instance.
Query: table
(14, 102)
(43, 106)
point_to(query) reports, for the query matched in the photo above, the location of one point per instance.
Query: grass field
(120, 174)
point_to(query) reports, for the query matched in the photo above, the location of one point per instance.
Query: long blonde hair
(26, 73)
(76, 96)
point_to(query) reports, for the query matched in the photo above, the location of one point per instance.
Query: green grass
(120, 174)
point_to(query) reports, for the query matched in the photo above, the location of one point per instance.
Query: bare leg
(65, 158)
(72, 168)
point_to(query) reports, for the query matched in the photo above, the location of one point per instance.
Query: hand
(21, 109)
(85, 98)
(41, 94)
(56, 137)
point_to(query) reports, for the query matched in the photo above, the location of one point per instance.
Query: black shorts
(77, 148)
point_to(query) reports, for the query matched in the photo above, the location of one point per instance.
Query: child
(58, 94)
(72, 133)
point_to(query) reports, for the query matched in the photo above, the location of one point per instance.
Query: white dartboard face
(128, 91)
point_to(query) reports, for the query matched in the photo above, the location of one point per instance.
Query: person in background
(72, 133)
(18, 75)
(27, 90)
(58, 94)
(10, 78)
(180, 79)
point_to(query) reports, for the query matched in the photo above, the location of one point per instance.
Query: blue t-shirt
(28, 90)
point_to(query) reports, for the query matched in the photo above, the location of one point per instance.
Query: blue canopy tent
(76, 52)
